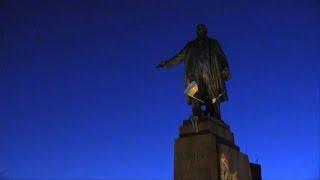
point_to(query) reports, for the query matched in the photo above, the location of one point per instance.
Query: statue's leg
(209, 109)
(196, 107)
(216, 111)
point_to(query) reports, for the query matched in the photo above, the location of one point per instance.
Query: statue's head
(201, 30)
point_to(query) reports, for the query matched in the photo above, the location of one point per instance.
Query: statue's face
(201, 30)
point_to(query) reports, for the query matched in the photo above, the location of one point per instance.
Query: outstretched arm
(175, 60)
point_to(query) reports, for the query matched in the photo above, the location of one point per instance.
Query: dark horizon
(81, 97)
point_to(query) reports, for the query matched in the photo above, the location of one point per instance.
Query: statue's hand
(162, 64)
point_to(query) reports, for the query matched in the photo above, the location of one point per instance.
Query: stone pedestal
(210, 153)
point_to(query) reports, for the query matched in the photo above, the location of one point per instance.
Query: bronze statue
(207, 66)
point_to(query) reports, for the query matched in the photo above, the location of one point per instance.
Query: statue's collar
(202, 37)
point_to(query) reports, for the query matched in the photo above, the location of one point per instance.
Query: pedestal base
(210, 153)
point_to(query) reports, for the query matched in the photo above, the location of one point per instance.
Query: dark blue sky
(80, 95)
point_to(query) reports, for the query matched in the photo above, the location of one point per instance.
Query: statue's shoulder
(213, 40)
(189, 44)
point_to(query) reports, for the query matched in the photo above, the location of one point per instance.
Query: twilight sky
(80, 95)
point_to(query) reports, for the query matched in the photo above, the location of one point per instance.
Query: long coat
(206, 64)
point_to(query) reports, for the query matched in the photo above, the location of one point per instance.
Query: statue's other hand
(226, 74)
(162, 64)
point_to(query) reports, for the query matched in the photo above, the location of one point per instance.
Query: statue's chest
(200, 51)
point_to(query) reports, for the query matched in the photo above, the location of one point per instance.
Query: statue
(207, 68)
